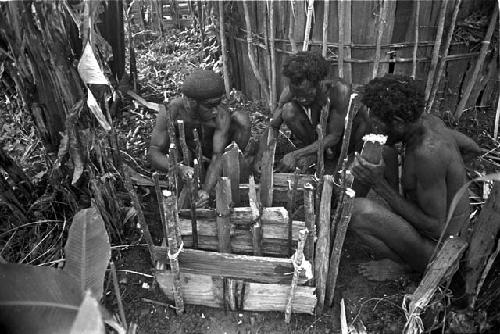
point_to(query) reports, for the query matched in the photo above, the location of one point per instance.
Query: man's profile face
(394, 128)
(304, 92)
(207, 107)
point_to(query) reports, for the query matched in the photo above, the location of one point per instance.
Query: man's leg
(296, 119)
(389, 235)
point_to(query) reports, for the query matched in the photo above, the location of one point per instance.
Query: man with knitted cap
(200, 108)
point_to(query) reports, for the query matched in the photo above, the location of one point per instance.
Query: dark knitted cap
(203, 84)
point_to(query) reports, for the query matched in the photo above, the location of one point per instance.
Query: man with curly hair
(300, 107)
(404, 234)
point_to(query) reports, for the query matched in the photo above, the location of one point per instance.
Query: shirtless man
(406, 234)
(199, 107)
(300, 107)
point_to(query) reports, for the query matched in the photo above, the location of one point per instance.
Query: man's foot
(384, 270)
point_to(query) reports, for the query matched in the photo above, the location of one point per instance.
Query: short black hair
(305, 65)
(394, 95)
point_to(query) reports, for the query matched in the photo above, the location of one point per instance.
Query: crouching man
(200, 108)
(403, 236)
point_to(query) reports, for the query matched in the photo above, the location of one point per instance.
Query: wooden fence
(353, 35)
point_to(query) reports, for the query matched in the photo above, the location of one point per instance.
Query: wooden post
(231, 169)
(291, 28)
(310, 221)
(326, 12)
(292, 191)
(274, 93)
(199, 156)
(442, 63)
(298, 258)
(381, 24)
(485, 44)
(340, 62)
(223, 47)
(182, 141)
(251, 56)
(223, 205)
(256, 214)
(171, 218)
(341, 230)
(307, 30)
(351, 112)
(323, 243)
(415, 46)
(159, 198)
(266, 177)
(437, 47)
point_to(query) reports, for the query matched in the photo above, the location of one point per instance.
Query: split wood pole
(256, 214)
(199, 156)
(326, 12)
(201, 17)
(323, 243)
(338, 242)
(274, 93)
(340, 61)
(159, 198)
(310, 221)
(381, 24)
(291, 27)
(140, 214)
(442, 63)
(320, 168)
(292, 192)
(223, 48)
(497, 115)
(485, 44)
(172, 218)
(182, 141)
(170, 127)
(297, 263)
(266, 178)
(173, 171)
(415, 46)
(352, 110)
(251, 56)
(267, 53)
(231, 169)
(223, 207)
(435, 51)
(307, 30)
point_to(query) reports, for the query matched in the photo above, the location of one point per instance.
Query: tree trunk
(36, 36)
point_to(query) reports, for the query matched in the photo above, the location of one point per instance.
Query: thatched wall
(361, 26)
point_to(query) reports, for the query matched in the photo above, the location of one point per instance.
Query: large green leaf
(88, 320)
(37, 299)
(88, 251)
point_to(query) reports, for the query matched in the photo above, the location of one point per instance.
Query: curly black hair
(394, 95)
(305, 65)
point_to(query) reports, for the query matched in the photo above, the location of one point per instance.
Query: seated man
(199, 107)
(300, 107)
(405, 233)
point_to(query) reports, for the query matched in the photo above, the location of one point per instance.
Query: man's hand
(185, 172)
(287, 164)
(366, 172)
(202, 198)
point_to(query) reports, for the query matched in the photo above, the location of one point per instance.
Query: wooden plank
(253, 268)
(273, 297)
(206, 290)
(298, 258)
(223, 219)
(323, 242)
(255, 208)
(442, 267)
(310, 219)
(231, 169)
(482, 242)
(266, 177)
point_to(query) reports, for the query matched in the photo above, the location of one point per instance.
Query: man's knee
(363, 213)
(290, 113)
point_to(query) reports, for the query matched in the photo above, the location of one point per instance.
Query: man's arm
(428, 214)
(159, 144)
(220, 141)
(468, 147)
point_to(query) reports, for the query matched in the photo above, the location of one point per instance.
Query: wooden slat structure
(361, 24)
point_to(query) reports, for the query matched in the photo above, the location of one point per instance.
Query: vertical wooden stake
(415, 47)
(307, 30)
(291, 28)
(323, 243)
(381, 24)
(326, 12)
(341, 14)
(266, 178)
(292, 192)
(171, 217)
(223, 47)
(193, 192)
(485, 44)
(231, 169)
(274, 93)
(199, 156)
(310, 221)
(435, 51)
(182, 140)
(299, 256)
(341, 230)
(256, 213)
(118, 295)
(223, 207)
(159, 198)
(351, 112)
